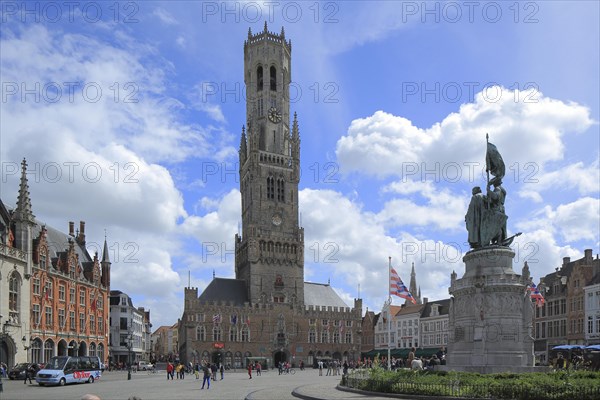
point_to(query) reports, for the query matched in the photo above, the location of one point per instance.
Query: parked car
(18, 371)
(144, 366)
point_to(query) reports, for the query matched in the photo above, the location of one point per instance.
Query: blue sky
(122, 116)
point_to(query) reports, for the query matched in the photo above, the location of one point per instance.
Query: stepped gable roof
(223, 289)
(319, 294)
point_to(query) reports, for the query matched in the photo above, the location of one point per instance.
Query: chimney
(566, 260)
(81, 235)
(71, 228)
(588, 255)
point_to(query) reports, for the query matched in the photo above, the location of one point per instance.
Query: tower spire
(413, 286)
(23, 210)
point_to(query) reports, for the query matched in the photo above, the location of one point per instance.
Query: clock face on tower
(276, 220)
(274, 115)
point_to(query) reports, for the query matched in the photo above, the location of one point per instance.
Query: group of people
(209, 371)
(333, 367)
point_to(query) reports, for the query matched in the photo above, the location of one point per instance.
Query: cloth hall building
(268, 312)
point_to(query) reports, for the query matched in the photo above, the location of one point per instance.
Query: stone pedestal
(491, 314)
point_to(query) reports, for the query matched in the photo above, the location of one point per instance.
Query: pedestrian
(320, 363)
(169, 370)
(213, 370)
(222, 369)
(206, 379)
(258, 368)
(329, 367)
(28, 372)
(345, 368)
(197, 371)
(250, 370)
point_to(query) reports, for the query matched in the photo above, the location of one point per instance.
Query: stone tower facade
(268, 313)
(269, 252)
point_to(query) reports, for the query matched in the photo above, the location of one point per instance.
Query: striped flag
(536, 295)
(234, 319)
(217, 318)
(398, 288)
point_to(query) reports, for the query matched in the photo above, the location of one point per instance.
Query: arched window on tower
(273, 78)
(270, 187)
(259, 78)
(280, 189)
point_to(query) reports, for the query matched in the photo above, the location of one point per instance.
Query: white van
(66, 369)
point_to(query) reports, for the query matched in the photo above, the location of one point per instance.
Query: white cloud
(164, 16)
(386, 145)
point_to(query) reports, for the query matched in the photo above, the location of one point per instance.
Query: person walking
(197, 371)
(28, 372)
(222, 370)
(250, 370)
(206, 379)
(320, 363)
(169, 371)
(258, 368)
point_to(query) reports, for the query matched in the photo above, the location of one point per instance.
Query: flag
(248, 320)
(397, 287)
(217, 318)
(234, 319)
(494, 162)
(94, 305)
(536, 295)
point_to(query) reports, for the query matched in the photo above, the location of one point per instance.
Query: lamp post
(129, 346)
(25, 347)
(1, 347)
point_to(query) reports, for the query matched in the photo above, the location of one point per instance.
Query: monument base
(492, 369)
(491, 315)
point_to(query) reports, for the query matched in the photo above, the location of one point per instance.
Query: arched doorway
(8, 350)
(217, 357)
(82, 349)
(337, 356)
(62, 348)
(49, 349)
(279, 356)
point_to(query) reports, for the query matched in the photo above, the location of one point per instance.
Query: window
(325, 322)
(81, 322)
(233, 334)
(100, 302)
(13, 293)
(324, 337)
(216, 333)
(200, 317)
(123, 323)
(72, 320)
(82, 297)
(48, 317)
(200, 333)
(100, 326)
(280, 189)
(348, 337)
(92, 323)
(312, 321)
(72, 295)
(312, 337)
(61, 292)
(245, 334)
(35, 316)
(273, 78)
(259, 78)
(61, 319)
(49, 289)
(336, 337)
(270, 187)
(36, 285)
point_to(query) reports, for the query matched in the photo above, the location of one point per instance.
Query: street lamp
(129, 346)
(25, 347)
(1, 347)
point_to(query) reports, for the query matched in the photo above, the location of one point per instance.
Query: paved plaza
(146, 386)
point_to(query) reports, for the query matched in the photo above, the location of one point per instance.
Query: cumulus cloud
(384, 145)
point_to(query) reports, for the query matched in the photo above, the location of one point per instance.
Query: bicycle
(290, 371)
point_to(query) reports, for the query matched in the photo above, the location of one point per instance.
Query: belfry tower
(269, 254)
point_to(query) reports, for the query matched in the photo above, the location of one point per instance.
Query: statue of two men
(486, 218)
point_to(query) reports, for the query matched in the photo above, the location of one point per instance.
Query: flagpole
(389, 361)
(487, 168)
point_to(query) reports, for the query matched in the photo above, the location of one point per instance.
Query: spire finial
(213, 274)
(282, 32)
(23, 209)
(266, 29)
